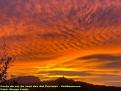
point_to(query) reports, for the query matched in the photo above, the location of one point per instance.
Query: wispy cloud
(60, 31)
(111, 61)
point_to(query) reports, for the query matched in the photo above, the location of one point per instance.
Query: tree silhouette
(5, 61)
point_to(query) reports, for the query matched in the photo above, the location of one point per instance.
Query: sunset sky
(78, 39)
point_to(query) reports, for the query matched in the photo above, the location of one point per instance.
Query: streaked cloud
(80, 39)
(110, 60)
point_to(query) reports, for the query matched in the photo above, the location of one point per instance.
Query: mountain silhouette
(23, 80)
(69, 83)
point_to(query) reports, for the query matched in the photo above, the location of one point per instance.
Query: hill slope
(58, 82)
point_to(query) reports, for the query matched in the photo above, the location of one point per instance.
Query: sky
(77, 39)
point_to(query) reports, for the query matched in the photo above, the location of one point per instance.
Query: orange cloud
(52, 38)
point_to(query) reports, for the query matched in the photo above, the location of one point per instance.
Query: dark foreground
(30, 83)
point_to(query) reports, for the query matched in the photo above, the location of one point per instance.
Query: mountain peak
(31, 80)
